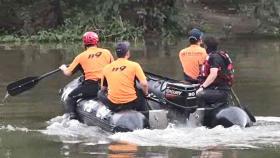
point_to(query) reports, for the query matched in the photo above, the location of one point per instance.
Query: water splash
(11, 128)
(72, 131)
(4, 100)
(265, 133)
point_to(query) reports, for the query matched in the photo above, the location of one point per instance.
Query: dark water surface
(25, 132)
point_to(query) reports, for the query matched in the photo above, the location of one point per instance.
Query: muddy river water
(32, 124)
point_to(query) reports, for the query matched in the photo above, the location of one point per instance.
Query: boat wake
(72, 131)
(265, 133)
(14, 128)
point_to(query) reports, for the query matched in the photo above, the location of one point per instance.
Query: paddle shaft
(235, 97)
(251, 116)
(48, 74)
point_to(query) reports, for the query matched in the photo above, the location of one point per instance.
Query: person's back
(120, 76)
(120, 79)
(220, 60)
(193, 56)
(92, 62)
(215, 82)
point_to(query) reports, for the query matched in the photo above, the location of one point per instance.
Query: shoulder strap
(225, 56)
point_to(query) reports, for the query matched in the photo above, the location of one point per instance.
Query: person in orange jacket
(90, 62)
(120, 79)
(193, 56)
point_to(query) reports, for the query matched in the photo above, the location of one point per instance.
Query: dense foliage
(113, 20)
(67, 20)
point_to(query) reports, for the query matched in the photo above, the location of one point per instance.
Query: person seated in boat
(90, 62)
(120, 81)
(216, 75)
(193, 56)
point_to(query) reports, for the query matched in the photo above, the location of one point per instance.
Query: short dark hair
(122, 49)
(211, 44)
(193, 41)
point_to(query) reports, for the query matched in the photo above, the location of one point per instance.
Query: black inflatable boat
(170, 101)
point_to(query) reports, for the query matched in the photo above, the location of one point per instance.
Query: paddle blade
(22, 85)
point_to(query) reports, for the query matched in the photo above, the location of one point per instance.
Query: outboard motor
(177, 95)
(180, 95)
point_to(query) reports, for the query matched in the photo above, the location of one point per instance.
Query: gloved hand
(63, 67)
(200, 89)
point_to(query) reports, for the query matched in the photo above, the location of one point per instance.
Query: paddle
(251, 116)
(26, 83)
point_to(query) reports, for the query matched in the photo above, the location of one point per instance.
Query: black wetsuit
(87, 90)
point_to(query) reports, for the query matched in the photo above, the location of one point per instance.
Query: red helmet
(90, 38)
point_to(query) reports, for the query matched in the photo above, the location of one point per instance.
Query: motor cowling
(181, 94)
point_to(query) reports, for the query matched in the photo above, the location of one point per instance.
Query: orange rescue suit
(191, 59)
(92, 61)
(120, 76)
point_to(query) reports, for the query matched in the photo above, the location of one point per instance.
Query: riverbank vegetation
(61, 20)
(135, 20)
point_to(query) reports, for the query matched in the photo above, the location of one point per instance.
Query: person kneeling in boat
(90, 62)
(120, 81)
(216, 76)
